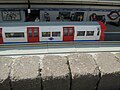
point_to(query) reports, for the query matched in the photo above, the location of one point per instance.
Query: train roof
(47, 24)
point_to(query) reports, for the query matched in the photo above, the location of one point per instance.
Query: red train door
(33, 34)
(1, 38)
(68, 34)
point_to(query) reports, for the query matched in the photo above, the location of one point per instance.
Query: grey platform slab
(110, 71)
(85, 73)
(25, 73)
(5, 66)
(55, 73)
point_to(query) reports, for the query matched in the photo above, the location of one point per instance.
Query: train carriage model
(30, 32)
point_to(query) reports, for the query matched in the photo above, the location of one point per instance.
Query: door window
(36, 33)
(71, 32)
(0, 33)
(65, 31)
(30, 32)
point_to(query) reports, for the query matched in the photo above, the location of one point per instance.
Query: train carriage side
(52, 32)
(70, 31)
(87, 32)
(14, 34)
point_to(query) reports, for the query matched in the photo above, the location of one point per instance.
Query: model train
(30, 32)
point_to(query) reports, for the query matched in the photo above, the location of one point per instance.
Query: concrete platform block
(85, 73)
(5, 66)
(55, 73)
(25, 73)
(110, 71)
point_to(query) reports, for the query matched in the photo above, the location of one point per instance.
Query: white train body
(50, 32)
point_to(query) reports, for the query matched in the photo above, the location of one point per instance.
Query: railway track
(59, 44)
(58, 48)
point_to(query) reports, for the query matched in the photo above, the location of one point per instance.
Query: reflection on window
(45, 34)
(80, 33)
(14, 35)
(56, 34)
(36, 33)
(90, 33)
(11, 15)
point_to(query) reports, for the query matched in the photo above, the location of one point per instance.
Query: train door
(68, 34)
(33, 34)
(1, 38)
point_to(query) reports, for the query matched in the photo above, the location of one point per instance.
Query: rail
(59, 44)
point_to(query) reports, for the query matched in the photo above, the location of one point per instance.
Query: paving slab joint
(70, 73)
(100, 76)
(39, 76)
(9, 76)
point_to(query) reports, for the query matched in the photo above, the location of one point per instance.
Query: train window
(90, 33)
(14, 35)
(36, 33)
(56, 34)
(80, 33)
(0, 34)
(65, 31)
(71, 31)
(30, 32)
(98, 32)
(45, 34)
